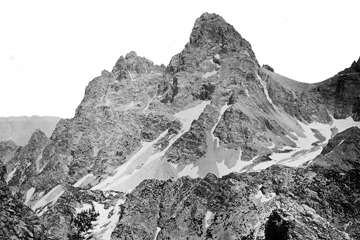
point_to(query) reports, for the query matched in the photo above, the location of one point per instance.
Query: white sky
(50, 50)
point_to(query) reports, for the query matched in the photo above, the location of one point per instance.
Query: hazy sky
(50, 50)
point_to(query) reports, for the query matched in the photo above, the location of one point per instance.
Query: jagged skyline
(52, 50)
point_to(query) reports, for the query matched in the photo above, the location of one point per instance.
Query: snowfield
(306, 149)
(142, 165)
(222, 110)
(208, 216)
(106, 221)
(50, 198)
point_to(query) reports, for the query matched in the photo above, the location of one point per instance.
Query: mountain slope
(170, 136)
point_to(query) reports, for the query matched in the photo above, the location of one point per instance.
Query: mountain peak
(37, 137)
(211, 36)
(211, 29)
(354, 68)
(131, 63)
(208, 17)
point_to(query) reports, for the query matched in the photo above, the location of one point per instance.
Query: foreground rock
(278, 203)
(17, 221)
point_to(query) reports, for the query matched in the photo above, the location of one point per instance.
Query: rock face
(342, 150)
(8, 149)
(338, 96)
(17, 221)
(278, 203)
(211, 146)
(20, 129)
(267, 67)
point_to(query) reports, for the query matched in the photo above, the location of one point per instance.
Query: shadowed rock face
(278, 203)
(17, 221)
(211, 111)
(341, 151)
(8, 150)
(279, 225)
(339, 95)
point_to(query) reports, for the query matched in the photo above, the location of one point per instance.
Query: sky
(50, 50)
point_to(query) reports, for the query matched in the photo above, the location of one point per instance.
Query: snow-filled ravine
(145, 163)
(305, 149)
(106, 221)
(50, 198)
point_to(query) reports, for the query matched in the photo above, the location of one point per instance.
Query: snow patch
(343, 124)
(272, 146)
(222, 110)
(189, 115)
(130, 105)
(264, 198)
(208, 216)
(239, 166)
(157, 232)
(340, 142)
(146, 155)
(266, 91)
(29, 193)
(85, 206)
(305, 151)
(247, 92)
(119, 177)
(11, 175)
(104, 225)
(50, 197)
(148, 104)
(190, 170)
(209, 74)
(81, 180)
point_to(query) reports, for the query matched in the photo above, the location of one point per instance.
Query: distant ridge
(19, 129)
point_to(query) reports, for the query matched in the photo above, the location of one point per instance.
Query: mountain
(19, 129)
(212, 146)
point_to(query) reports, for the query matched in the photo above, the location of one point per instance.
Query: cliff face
(278, 203)
(17, 221)
(211, 146)
(337, 96)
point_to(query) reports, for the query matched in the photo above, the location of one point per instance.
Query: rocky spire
(211, 36)
(354, 68)
(211, 30)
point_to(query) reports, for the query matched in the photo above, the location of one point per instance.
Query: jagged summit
(354, 68)
(211, 36)
(211, 30)
(132, 63)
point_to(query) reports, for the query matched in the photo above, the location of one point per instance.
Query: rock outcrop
(7, 151)
(337, 96)
(278, 203)
(17, 221)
